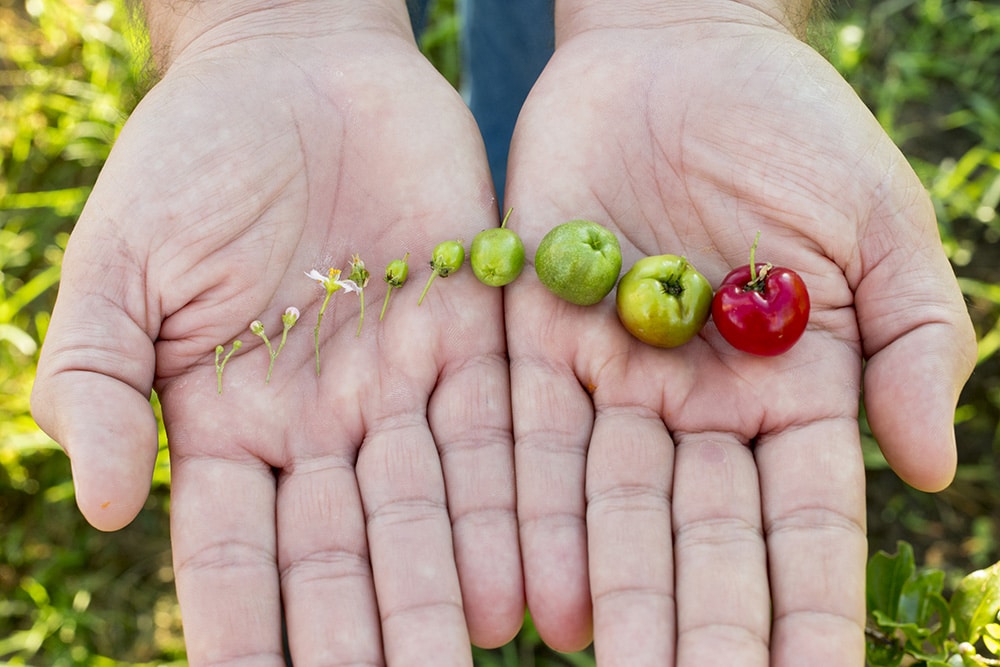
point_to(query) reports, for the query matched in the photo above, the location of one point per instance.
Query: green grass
(68, 78)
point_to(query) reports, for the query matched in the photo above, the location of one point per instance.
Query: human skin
(372, 505)
(646, 521)
(701, 505)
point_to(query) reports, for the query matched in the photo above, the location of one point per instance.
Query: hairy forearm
(574, 16)
(175, 26)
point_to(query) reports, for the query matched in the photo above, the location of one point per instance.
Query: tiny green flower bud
(359, 274)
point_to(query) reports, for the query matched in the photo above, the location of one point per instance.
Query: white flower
(331, 283)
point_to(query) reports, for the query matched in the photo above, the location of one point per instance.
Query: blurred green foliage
(69, 595)
(930, 72)
(910, 619)
(70, 72)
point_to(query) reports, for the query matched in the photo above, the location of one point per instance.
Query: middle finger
(723, 597)
(628, 530)
(409, 537)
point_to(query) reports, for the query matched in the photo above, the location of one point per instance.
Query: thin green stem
(503, 223)
(753, 253)
(319, 320)
(275, 353)
(270, 365)
(270, 351)
(281, 345)
(757, 278)
(395, 276)
(361, 319)
(385, 304)
(316, 338)
(219, 367)
(427, 287)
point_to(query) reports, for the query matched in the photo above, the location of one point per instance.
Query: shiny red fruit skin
(765, 319)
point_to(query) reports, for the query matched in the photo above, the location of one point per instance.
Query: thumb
(95, 373)
(918, 340)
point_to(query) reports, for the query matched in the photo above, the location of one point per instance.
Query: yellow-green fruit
(579, 261)
(663, 301)
(497, 256)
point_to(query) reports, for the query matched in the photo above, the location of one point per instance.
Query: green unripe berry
(395, 276)
(397, 272)
(579, 261)
(497, 255)
(448, 257)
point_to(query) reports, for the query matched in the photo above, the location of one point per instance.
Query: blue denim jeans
(504, 46)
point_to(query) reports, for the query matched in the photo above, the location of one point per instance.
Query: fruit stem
(319, 320)
(753, 253)
(361, 319)
(427, 287)
(385, 304)
(504, 222)
(756, 283)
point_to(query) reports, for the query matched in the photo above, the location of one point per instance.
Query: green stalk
(319, 320)
(427, 287)
(361, 319)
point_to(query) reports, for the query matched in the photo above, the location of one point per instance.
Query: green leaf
(922, 604)
(991, 638)
(20, 339)
(976, 603)
(919, 595)
(909, 629)
(28, 292)
(886, 578)
(881, 650)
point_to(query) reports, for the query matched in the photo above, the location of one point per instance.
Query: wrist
(576, 16)
(176, 28)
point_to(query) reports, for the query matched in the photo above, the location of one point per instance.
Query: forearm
(575, 16)
(176, 26)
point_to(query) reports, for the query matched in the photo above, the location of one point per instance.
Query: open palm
(318, 497)
(709, 505)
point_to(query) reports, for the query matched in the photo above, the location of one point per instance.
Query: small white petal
(317, 276)
(347, 285)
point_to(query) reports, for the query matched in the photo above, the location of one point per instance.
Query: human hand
(701, 505)
(279, 141)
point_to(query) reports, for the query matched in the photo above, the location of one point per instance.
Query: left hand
(700, 493)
